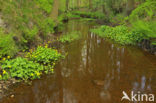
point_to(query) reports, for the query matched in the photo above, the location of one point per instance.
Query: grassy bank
(139, 25)
(120, 34)
(35, 62)
(25, 22)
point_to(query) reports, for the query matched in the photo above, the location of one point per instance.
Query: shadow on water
(95, 71)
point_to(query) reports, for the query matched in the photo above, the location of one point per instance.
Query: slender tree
(67, 5)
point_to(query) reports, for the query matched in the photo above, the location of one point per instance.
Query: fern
(145, 11)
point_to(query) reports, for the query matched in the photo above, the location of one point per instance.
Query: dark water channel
(95, 71)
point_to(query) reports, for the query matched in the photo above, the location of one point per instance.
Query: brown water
(95, 71)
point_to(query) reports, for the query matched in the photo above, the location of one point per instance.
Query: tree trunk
(130, 6)
(67, 5)
(90, 4)
(78, 4)
(103, 8)
(55, 10)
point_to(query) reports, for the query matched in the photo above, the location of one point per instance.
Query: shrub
(38, 61)
(145, 11)
(46, 5)
(120, 34)
(146, 28)
(27, 19)
(69, 37)
(47, 26)
(95, 15)
(20, 68)
(44, 55)
(30, 33)
(70, 15)
(143, 18)
(7, 44)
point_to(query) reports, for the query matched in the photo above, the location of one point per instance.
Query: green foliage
(7, 44)
(20, 68)
(95, 15)
(148, 29)
(69, 37)
(44, 55)
(30, 33)
(120, 34)
(118, 19)
(38, 61)
(153, 42)
(27, 19)
(145, 11)
(70, 15)
(47, 26)
(143, 18)
(46, 5)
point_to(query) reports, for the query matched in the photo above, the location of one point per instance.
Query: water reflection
(95, 71)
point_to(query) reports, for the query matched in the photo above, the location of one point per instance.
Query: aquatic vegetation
(69, 37)
(20, 68)
(44, 55)
(120, 34)
(43, 59)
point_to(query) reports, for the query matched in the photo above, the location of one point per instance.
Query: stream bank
(94, 71)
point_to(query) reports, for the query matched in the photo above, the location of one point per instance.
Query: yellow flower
(26, 56)
(8, 57)
(31, 50)
(4, 59)
(0, 76)
(37, 73)
(9, 66)
(46, 46)
(32, 74)
(49, 41)
(52, 70)
(4, 72)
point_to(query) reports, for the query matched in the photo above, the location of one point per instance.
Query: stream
(94, 71)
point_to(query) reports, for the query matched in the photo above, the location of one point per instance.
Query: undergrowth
(95, 15)
(120, 34)
(28, 20)
(41, 60)
(7, 44)
(69, 37)
(20, 68)
(44, 55)
(143, 19)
